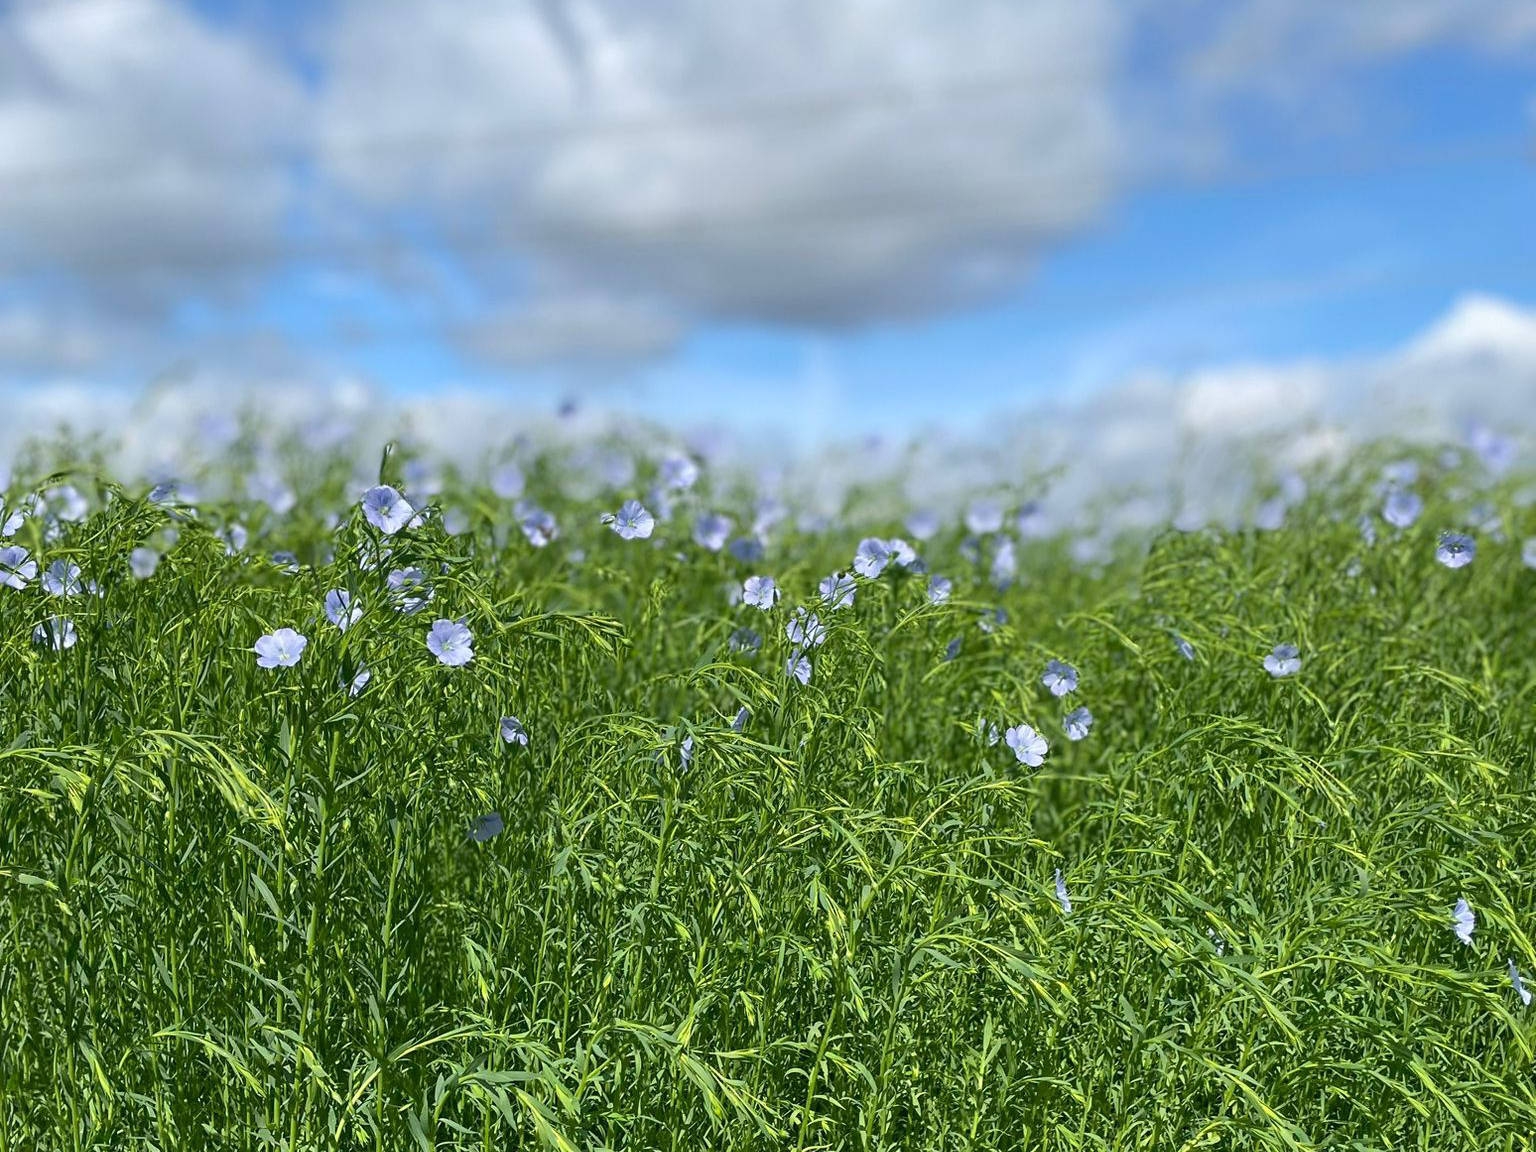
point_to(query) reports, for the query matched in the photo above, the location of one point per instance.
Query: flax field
(497, 807)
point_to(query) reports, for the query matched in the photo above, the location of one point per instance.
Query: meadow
(571, 833)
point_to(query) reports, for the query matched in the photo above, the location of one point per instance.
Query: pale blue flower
(1402, 508)
(1464, 920)
(837, 591)
(940, 588)
(513, 732)
(760, 592)
(952, 649)
(409, 588)
(270, 490)
(539, 527)
(64, 503)
(1077, 723)
(62, 578)
(1029, 747)
(280, 649)
(632, 522)
(142, 562)
(769, 512)
(1514, 978)
(1401, 473)
(1004, 563)
(805, 629)
(1367, 528)
(872, 557)
(993, 619)
(1059, 678)
(1270, 515)
(340, 610)
(711, 530)
(386, 509)
(57, 632)
(678, 471)
(17, 568)
(287, 561)
(487, 826)
(1031, 521)
(685, 751)
(451, 642)
(507, 481)
(923, 524)
(984, 516)
(1455, 550)
(12, 521)
(745, 640)
(1186, 649)
(455, 521)
(798, 666)
(235, 538)
(747, 549)
(1061, 894)
(1495, 451)
(1284, 660)
(359, 682)
(740, 723)
(901, 552)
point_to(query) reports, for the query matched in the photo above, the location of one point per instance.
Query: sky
(871, 216)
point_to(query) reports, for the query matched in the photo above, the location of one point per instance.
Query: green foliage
(241, 909)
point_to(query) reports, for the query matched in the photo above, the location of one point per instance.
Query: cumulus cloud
(790, 161)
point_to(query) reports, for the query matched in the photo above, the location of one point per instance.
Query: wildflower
(1027, 744)
(455, 522)
(1455, 550)
(1367, 528)
(1283, 660)
(1061, 894)
(1402, 508)
(1077, 723)
(837, 591)
(798, 666)
(65, 503)
(1217, 942)
(742, 717)
(12, 522)
(405, 581)
(632, 521)
(359, 682)
(768, 513)
(1004, 565)
(1514, 978)
(1465, 921)
(1059, 678)
(386, 509)
(340, 610)
(142, 562)
(62, 578)
(1031, 521)
(984, 516)
(451, 642)
(760, 592)
(539, 527)
(1401, 473)
(745, 640)
(685, 751)
(710, 531)
(952, 649)
(678, 471)
(1528, 553)
(507, 481)
(486, 826)
(17, 567)
(270, 490)
(58, 631)
(747, 549)
(1271, 515)
(513, 732)
(923, 524)
(1495, 451)
(1186, 649)
(280, 649)
(287, 561)
(939, 589)
(805, 629)
(901, 551)
(872, 557)
(235, 538)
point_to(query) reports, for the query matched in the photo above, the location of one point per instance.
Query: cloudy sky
(861, 215)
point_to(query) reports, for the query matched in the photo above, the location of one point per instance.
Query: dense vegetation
(263, 907)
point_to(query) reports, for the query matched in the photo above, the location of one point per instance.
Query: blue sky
(1242, 200)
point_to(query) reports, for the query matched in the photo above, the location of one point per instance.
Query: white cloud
(791, 161)
(139, 149)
